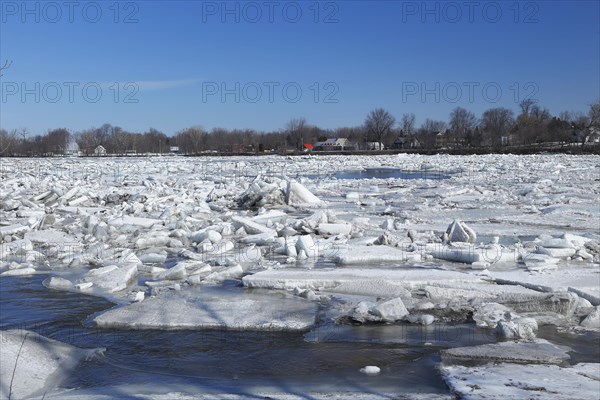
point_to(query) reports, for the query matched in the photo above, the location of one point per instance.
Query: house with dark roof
(339, 144)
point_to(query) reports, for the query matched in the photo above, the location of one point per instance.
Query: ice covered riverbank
(504, 242)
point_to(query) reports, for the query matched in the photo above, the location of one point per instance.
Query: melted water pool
(230, 361)
(386, 173)
(382, 173)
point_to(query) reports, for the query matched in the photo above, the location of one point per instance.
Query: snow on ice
(508, 242)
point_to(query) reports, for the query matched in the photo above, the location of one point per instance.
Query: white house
(375, 146)
(339, 144)
(72, 149)
(100, 151)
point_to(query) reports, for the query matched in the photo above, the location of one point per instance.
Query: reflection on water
(435, 335)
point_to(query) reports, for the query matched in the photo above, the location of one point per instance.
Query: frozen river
(286, 277)
(237, 361)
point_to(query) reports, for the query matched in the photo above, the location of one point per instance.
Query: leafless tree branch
(6, 66)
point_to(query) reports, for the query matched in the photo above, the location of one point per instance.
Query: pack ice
(506, 243)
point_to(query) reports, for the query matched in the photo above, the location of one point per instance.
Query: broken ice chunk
(488, 314)
(370, 370)
(464, 254)
(13, 229)
(19, 272)
(592, 320)
(540, 262)
(250, 226)
(518, 328)
(175, 273)
(307, 245)
(228, 273)
(334, 229)
(298, 194)
(112, 278)
(57, 283)
(136, 221)
(200, 236)
(459, 232)
(423, 319)
(557, 252)
(391, 311)
(372, 254)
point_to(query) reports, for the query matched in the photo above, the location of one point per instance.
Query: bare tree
(57, 140)
(155, 141)
(295, 129)
(102, 135)
(567, 116)
(462, 124)
(378, 124)
(559, 130)
(427, 133)
(432, 126)
(408, 124)
(7, 141)
(354, 134)
(85, 140)
(594, 120)
(532, 123)
(6, 66)
(594, 114)
(193, 140)
(496, 124)
(540, 114)
(526, 106)
(121, 141)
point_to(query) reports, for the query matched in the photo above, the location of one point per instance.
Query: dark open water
(325, 359)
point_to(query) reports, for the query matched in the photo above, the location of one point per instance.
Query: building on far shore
(72, 149)
(339, 144)
(375, 146)
(100, 151)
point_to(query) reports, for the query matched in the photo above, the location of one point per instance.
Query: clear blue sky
(347, 57)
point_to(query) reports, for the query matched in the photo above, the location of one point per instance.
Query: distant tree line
(497, 127)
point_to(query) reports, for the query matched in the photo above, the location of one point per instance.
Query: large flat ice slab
(329, 279)
(372, 254)
(537, 352)
(514, 381)
(582, 280)
(51, 237)
(136, 221)
(200, 309)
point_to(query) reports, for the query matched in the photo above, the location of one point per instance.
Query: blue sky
(171, 65)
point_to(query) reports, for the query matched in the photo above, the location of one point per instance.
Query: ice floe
(530, 352)
(33, 364)
(515, 381)
(198, 309)
(509, 242)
